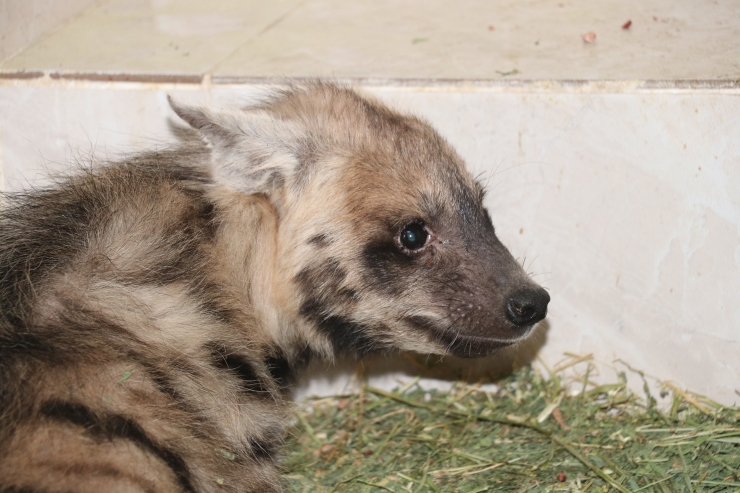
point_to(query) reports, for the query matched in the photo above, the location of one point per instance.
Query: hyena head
(383, 241)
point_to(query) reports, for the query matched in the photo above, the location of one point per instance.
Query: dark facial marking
(116, 426)
(324, 277)
(346, 336)
(387, 266)
(325, 295)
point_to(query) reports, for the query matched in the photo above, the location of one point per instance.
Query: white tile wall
(614, 166)
(624, 201)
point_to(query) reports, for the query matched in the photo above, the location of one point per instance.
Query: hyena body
(155, 310)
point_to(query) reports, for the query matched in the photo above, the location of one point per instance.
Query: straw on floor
(532, 435)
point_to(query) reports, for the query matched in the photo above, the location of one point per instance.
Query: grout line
(606, 86)
(173, 80)
(268, 27)
(131, 77)
(22, 74)
(54, 29)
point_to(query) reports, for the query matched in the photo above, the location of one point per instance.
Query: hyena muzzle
(154, 311)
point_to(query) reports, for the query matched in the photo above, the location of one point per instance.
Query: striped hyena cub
(153, 311)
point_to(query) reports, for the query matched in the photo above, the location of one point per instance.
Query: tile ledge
(430, 84)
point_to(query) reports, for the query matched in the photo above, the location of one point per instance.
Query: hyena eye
(414, 236)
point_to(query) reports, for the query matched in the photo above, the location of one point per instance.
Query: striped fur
(154, 311)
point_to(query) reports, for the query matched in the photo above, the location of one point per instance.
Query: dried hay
(533, 435)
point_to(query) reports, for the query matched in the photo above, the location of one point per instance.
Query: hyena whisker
(532, 262)
(452, 343)
(513, 166)
(533, 274)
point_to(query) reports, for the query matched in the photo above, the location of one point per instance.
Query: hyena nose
(527, 307)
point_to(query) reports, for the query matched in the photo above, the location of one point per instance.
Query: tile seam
(34, 77)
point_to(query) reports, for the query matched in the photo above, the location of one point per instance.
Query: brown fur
(155, 310)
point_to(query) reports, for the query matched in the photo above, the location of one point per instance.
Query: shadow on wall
(325, 379)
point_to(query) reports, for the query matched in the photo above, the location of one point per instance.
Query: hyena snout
(527, 307)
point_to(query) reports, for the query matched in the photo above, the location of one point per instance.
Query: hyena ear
(252, 151)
